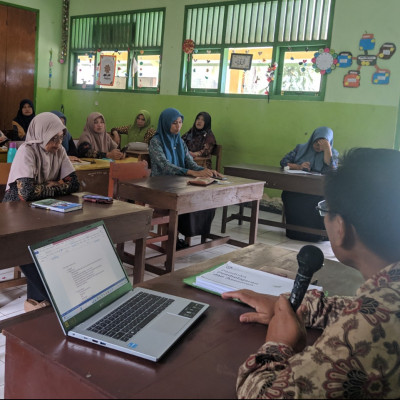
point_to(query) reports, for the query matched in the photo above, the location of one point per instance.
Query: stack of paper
(230, 276)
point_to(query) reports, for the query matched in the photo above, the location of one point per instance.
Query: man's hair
(365, 191)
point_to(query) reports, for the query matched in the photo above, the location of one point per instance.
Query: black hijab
(22, 119)
(193, 132)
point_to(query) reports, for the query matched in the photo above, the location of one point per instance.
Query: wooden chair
(138, 170)
(17, 280)
(217, 153)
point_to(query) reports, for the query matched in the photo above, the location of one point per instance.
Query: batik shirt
(161, 166)
(28, 190)
(357, 356)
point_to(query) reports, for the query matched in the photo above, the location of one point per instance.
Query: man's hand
(286, 326)
(262, 303)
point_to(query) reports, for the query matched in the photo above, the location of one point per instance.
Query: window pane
(205, 71)
(148, 67)
(254, 80)
(85, 69)
(121, 69)
(298, 74)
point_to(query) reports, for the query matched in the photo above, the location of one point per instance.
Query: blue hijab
(172, 144)
(306, 152)
(67, 136)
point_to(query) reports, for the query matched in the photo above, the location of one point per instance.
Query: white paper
(230, 276)
(297, 171)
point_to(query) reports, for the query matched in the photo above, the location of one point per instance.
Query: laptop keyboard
(130, 317)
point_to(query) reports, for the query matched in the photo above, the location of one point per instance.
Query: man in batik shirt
(358, 353)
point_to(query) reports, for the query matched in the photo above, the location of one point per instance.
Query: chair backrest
(4, 172)
(125, 171)
(217, 152)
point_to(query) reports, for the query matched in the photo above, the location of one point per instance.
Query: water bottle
(12, 150)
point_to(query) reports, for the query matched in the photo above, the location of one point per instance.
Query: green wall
(250, 130)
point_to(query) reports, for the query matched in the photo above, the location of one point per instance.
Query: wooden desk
(94, 177)
(174, 194)
(22, 225)
(41, 362)
(275, 178)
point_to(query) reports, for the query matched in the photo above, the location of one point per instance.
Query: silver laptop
(94, 300)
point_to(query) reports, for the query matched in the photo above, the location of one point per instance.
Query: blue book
(56, 205)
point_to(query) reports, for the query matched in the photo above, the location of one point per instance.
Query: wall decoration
(50, 68)
(367, 43)
(324, 61)
(107, 70)
(64, 32)
(241, 61)
(188, 47)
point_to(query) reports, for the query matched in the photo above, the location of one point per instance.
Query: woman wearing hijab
(68, 143)
(317, 155)
(95, 142)
(141, 131)
(41, 169)
(25, 115)
(169, 155)
(200, 139)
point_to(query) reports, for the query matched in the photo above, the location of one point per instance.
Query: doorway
(17, 60)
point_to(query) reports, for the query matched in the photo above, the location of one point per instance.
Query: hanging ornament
(64, 32)
(50, 68)
(188, 47)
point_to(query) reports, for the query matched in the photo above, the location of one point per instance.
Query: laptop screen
(81, 271)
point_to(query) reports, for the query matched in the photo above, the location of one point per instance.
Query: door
(17, 60)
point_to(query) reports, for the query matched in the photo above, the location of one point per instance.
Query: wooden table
(22, 225)
(174, 194)
(275, 178)
(94, 177)
(41, 362)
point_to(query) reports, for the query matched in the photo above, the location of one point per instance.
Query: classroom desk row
(42, 363)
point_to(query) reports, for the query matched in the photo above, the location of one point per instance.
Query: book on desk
(56, 205)
(230, 276)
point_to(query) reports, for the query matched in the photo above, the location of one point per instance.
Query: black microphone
(310, 259)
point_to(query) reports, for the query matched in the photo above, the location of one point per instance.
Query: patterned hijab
(306, 152)
(99, 141)
(67, 136)
(136, 134)
(22, 119)
(33, 161)
(172, 144)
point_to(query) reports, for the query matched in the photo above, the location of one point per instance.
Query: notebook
(93, 298)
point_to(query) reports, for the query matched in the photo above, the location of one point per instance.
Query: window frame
(147, 49)
(280, 47)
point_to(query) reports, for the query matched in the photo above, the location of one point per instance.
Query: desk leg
(254, 221)
(138, 270)
(172, 238)
(224, 218)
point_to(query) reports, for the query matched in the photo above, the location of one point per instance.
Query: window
(280, 37)
(117, 51)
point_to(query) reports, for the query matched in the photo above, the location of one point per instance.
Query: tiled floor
(12, 300)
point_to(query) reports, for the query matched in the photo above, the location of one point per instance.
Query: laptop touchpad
(169, 323)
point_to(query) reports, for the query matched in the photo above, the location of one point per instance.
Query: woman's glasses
(57, 139)
(322, 207)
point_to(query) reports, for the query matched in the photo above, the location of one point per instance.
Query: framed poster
(241, 61)
(107, 70)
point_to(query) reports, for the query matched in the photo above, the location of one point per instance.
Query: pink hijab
(99, 141)
(33, 161)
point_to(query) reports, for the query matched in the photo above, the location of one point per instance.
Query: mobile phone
(94, 198)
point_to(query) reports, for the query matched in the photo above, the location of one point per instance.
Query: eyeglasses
(322, 207)
(57, 139)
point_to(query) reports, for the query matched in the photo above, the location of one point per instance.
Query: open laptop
(92, 296)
